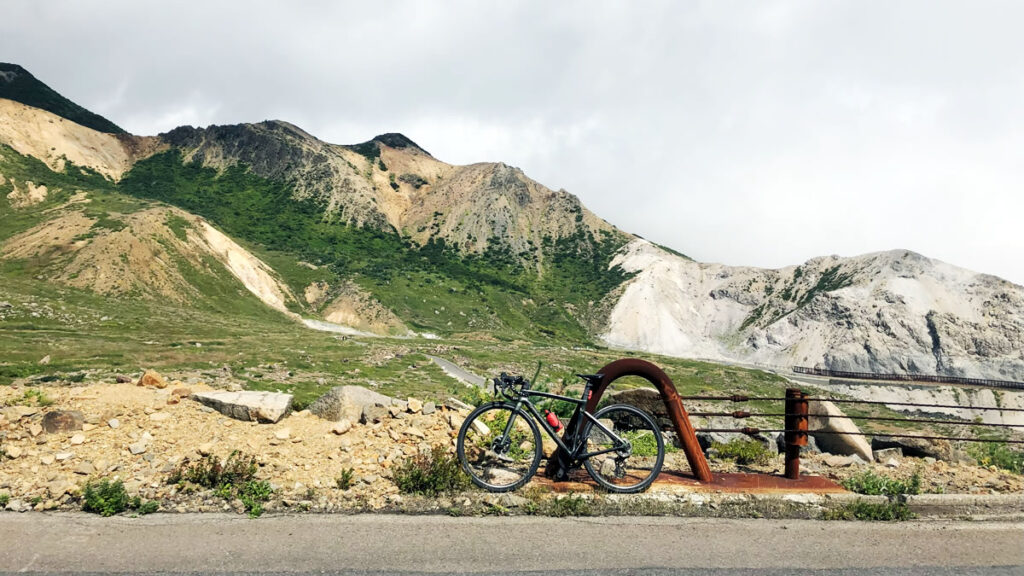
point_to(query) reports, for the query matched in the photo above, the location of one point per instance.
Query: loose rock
(152, 378)
(63, 421)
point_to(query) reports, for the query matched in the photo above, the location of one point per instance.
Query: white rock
(62, 456)
(78, 439)
(283, 433)
(247, 405)
(137, 448)
(341, 426)
(114, 423)
(13, 451)
(836, 421)
(415, 405)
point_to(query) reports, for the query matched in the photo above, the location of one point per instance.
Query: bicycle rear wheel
(498, 457)
(634, 458)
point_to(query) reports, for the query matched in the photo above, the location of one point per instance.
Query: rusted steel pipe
(676, 412)
(796, 430)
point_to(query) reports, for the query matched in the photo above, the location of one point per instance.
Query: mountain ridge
(383, 237)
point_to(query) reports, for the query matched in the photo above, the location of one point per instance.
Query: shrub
(743, 451)
(4, 499)
(998, 454)
(347, 479)
(107, 498)
(209, 472)
(431, 474)
(894, 510)
(233, 478)
(867, 482)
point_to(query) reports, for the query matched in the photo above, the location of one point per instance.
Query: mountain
(889, 312)
(383, 238)
(18, 85)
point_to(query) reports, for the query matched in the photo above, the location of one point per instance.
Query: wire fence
(797, 417)
(934, 379)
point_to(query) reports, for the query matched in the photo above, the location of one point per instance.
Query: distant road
(192, 543)
(457, 372)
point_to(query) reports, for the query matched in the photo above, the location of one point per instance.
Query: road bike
(500, 448)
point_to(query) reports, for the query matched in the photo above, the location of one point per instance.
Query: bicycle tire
(635, 471)
(516, 460)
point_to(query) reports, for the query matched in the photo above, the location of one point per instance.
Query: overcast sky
(757, 133)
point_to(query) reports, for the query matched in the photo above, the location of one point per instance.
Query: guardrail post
(796, 430)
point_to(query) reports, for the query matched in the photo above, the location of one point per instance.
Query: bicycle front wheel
(629, 458)
(499, 447)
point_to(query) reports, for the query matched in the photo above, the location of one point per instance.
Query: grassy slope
(26, 89)
(432, 288)
(90, 336)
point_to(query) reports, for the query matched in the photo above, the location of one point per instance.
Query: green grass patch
(870, 483)
(998, 454)
(743, 451)
(892, 511)
(430, 474)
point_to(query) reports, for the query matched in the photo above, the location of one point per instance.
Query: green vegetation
(4, 499)
(25, 88)
(891, 511)
(347, 479)
(998, 454)
(434, 287)
(233, 478)
(31, 397)
(867, 482)
(436, 472)
(645, 444)
(743, 451)
(107, 498)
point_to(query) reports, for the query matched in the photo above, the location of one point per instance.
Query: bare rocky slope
(888, 312)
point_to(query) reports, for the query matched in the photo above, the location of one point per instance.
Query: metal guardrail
(935, 379)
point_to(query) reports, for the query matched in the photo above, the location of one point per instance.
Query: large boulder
(919, 447)
(247, 405)
(348, 402)
(647, 399)
(834, 432)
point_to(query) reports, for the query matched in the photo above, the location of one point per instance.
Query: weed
(106, 498)
(253, 494)
(743, 451)
(233, 478)
(431, 474)
(867, 482)
(998, 454)
(32, 397)
(893, 510)
(569, 505)
(347, 479)
(4, 499)
(209, 472)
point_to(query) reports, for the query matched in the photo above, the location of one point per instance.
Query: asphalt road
(373, 544)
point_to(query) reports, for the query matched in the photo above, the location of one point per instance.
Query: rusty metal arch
(676, 411)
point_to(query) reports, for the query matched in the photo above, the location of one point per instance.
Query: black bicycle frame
(578, 442)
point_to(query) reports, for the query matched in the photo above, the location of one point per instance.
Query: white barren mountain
(888, 312)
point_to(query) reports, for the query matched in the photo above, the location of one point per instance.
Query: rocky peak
(399, 141)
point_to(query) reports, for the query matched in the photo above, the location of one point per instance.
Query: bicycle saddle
(592, 378)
